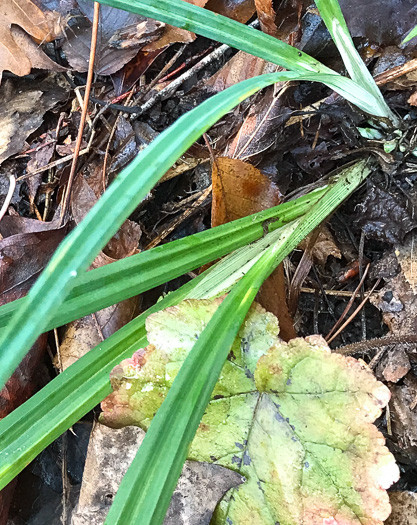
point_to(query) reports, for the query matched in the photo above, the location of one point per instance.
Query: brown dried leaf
(261, 126)
(25, 249)
(172, 35)
(22, 111)
(240, 189)
(266, 15)
(18, 53)
(240, 10)
(240, 67)
(121, 36)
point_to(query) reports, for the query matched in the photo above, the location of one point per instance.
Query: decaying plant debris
(357, 269)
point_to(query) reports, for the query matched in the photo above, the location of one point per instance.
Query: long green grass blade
(146, 489)
(335, 22)
(128, 277)
(411, 34)
(222, 29)
(78, 250)
(35, 424)
(45, 416)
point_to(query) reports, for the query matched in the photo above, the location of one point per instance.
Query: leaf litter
(294, 419)
(285, 133)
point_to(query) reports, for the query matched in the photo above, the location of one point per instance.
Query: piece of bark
(110, 454)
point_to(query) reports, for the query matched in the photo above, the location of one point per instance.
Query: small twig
(365, 347)
(171, 88)
(53, 164)
(158, 77)
(79, 139)
(396, 72)
(176, 222)
(8, 199)
(355, 313)
(348, 306)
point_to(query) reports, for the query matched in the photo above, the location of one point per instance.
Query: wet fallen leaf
(380, 22)
(294, 419)
(240, 189)
(404, 508)
(382, 217)
(18, 52)
(80, 336)
(25, 249)
(266, 15)
(240, 10)
(240, 67)
(22, 112)
(324, 246)
(110, 453)
(121, 35)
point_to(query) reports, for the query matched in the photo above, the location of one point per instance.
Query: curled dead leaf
(18, 53)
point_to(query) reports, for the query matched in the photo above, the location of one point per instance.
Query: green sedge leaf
(203, 22)
(335, 22)
(146, 489)
(411, 34)
(78, 250)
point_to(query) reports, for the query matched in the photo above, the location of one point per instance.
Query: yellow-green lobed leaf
(294, 419)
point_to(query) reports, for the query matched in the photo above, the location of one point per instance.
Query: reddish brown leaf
(240, 189)
(240, 10)
(266, 15)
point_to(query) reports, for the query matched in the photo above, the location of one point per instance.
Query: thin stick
(346, 310)
(365, 347)
(7, 200)
(176, 222)
(78, 142)
(355, 313)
